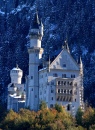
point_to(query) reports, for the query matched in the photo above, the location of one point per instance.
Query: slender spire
(16, 65)
(80, 61)
(81, 66)
(36, 20)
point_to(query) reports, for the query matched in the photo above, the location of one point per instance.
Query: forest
(56, 118)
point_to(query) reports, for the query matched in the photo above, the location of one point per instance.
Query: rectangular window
(72, 76)
(64, 65)
(63, 75)
(52, 98)
(55, 75)
(31, 77)
(52, 83)
(52, 91)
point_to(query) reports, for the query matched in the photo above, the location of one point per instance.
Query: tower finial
(66, 45)
(16, 65)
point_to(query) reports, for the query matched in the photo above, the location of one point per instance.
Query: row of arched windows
(64, 91)
(16, 71)
(63, 75)
(64, 83)
(63, 98)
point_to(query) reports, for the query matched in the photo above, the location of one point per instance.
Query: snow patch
(51, 35)
(53, 27)
(84, 50)
(93, 54)
(1, 12)
(32, 8)
(18, 9)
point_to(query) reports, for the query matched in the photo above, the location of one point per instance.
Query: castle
(57, 80)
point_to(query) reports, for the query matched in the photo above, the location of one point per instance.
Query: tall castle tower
(35, 54)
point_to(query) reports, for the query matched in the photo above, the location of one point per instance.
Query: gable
(64, 61)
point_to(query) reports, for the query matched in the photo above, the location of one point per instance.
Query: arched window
(68, 83)
(58, 98)
(61, 82)
(64, 91)
(58, 90)
(65, 83)
(70, 91)
(71, 83)
(58, 82)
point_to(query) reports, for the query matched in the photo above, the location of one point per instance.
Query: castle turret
(16, 75)
(35, 54)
